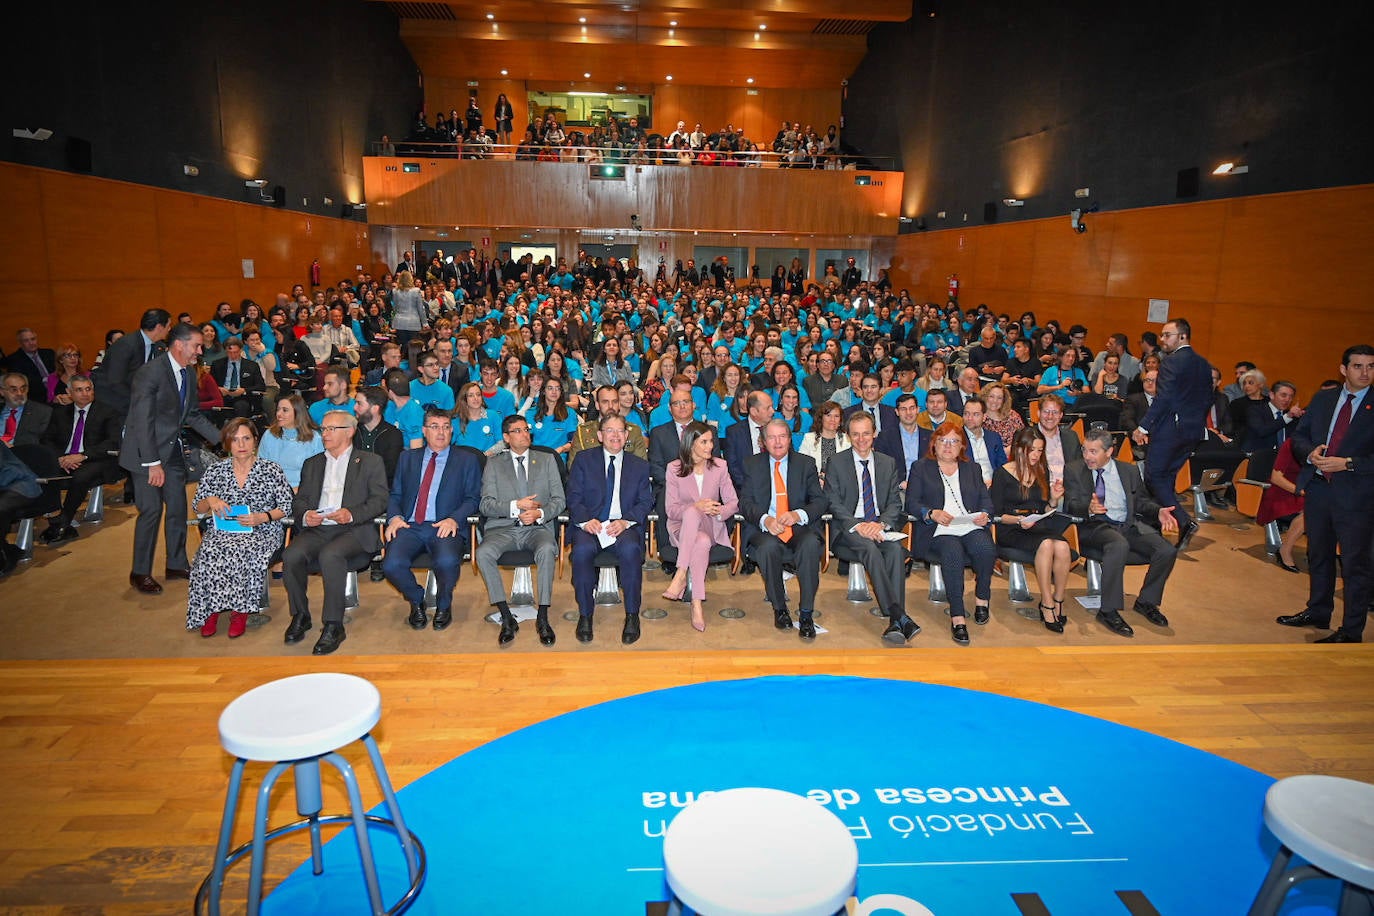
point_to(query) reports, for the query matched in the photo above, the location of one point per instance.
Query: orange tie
(780, 487)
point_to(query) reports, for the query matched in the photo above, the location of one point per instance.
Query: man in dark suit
(983, 446)
(82, 434)
(609, 498)
(967, 387)
(342, 492)
(782, 503)
(863, 487)
(665, 441)
(450, 373)
(162, 402)
(23, 421)
(1137, 405)
(1176, 420)
(35, 363)
(435, 491)
(1269, 423)
(115, 377)
(1120, 519)
(1334, 440)
(239, 379)
(745, 438)
(888, 439)
(19, 493)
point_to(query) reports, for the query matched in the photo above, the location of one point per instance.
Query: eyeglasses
(334, 428)
(678, 403)
(436, 426)
(946, 441)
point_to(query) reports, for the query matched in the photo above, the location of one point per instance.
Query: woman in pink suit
(699, 499)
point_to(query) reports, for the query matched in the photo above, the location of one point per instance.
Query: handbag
(197, 459)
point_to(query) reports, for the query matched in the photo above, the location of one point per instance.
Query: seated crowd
(589, 409)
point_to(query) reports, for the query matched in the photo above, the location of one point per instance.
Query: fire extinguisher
(954, 286)
(315, 273)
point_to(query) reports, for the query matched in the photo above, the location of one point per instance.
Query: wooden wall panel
(21, 236)
(107, 235)
(196, 237)
(1295, 294)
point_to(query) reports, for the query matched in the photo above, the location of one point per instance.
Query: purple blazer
(681, 492)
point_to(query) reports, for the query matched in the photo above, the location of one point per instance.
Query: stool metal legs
(522, 588)
(1272, 539)
(937, 584)
(1017, 589)
(23, 538)
(1093, 568)
(607, 587)
(95, 505)
(856, 589)
(1279, 882)
(351, 591)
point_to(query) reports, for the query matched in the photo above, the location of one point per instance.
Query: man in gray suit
(522, 497)
(864, 489)
(162, 401)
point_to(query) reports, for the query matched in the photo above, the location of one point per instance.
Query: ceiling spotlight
(582, 19)
(586, 76)
(669, 77)
(673, 23)
(190, 170)
(1230, 168)
(763, 27)
(1081, 193)
(1013, 202)
(491, 15)
(505, 73)
(750, 81)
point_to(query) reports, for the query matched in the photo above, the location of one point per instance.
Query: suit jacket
(889, 440)
(1262, 427)
(250, 374)
(99, 437)
(842, 489)
(681, 492)
(925, 490)
(364, 492)
(997, 449)
(585, 439)
(1072, 445)
(956, 402)
(1185, 393)
(19, 361)
(664, 446)
(1132, 412)
(156, 416)
(1079, 485)
(460, 487)
(739, 448)
(115, 378)
(545, 483)
(587, 487)
(803, 489)
(33, 422)
(1358, 442)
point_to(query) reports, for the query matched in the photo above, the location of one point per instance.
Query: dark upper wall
(290, 92)
(1006, 99)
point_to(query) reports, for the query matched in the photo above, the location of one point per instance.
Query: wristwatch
(1350, 464)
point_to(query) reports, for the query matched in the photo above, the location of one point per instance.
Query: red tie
(11, 425)
(425, 482)
(1339, 430)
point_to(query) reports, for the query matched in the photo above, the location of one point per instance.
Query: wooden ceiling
(639, 44)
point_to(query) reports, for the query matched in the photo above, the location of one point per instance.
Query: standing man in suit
(435, 491)
(608, 504)
(1120, 521)
(863, 487)
(82, 434)
(33, 362)
(782, 502)
(1176, 420)
(1335, 442)
(22, 421)
(522, 497)
(342, 491)
(1062, 448)
(745, 438)
(115, 377)
(888, 439)
(162, 401)
(665, 441)
(240, 380)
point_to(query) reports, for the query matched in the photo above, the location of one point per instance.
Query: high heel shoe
(671, 595)
(1054, 626)
(211, 626)
(1291, 567)
(238, 623)
(699, 623)
(1059, 610)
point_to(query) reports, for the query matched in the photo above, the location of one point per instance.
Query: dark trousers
(12, 508)
(445, 557)
(151, 502)
(1339, 515)
(92, 473)
(333, 550)
(802, 553)
(974, 549)
(629, 554)
(885, 562)
(1168, 452)
(1133, 544)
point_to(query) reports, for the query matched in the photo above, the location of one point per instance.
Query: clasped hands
(776, 525)
(708, 507)
(1327, 465)
(314, 518)
(530, 509)
(612, 529)
(941, 517)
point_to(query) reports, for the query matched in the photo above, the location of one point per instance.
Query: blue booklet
(226, 522)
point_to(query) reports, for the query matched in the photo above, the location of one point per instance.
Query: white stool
(1328, 821)
(295, 723)
(750, 852)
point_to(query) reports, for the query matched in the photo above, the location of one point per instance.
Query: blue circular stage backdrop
(960, 803)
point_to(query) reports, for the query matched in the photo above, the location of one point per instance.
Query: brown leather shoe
(145, 584)
(176, 574)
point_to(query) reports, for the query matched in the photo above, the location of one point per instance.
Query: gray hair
(1102, 437)
(348, 420)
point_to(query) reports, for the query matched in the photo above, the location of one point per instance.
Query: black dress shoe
(296, 630)
(418, 618)
(981, 614)
(748, 567)
(546, 634)
(584, 628)
(1185, 535)
(375, 571)
(65, 534)
(1340, 636)
(442, 618)
(630, 635)
(1291, 567)
(176, 574)
(959, 633)
(900, 630)
(806, 627)
(844, 567)
(145, 584)
(1152, 613)
(782, 620)
(509, 627)
(1112, 621)
(331, 637)
(1302, 619)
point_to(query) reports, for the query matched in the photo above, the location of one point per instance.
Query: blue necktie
(870, 507)
(610, 486)
(185, 387)
(233, 376)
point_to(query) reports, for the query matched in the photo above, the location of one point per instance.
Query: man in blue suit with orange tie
(609, 499)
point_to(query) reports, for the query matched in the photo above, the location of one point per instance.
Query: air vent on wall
(433, 12)
(843, 27)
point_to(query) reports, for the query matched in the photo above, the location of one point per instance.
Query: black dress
(1008, 499)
